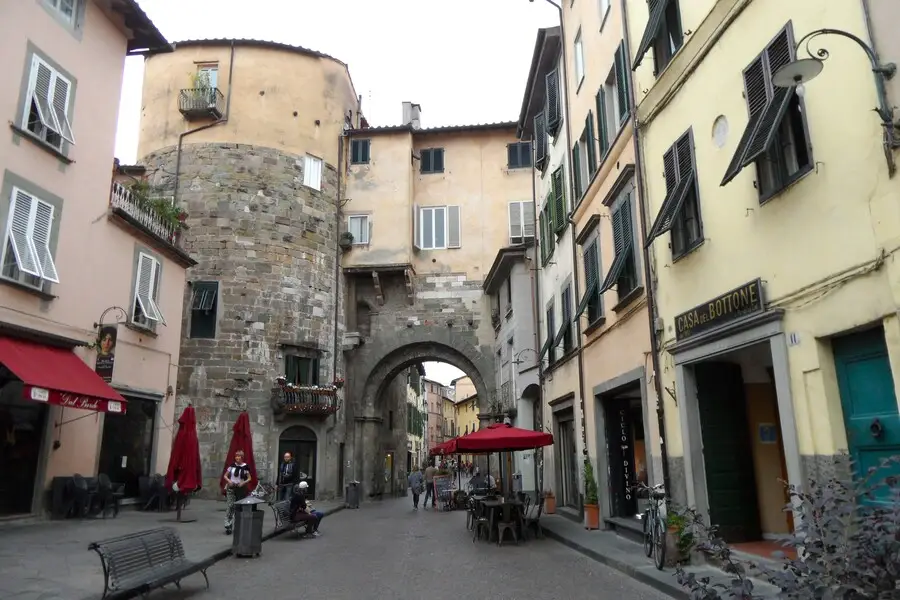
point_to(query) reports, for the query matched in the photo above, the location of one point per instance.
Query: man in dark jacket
(287, 476)
(299, 510)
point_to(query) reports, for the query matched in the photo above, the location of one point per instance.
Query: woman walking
(416, 483)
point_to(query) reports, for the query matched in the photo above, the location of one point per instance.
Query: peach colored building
(90, 273)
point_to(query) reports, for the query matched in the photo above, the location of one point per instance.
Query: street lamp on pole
(799, 72)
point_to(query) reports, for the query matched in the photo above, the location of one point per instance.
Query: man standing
(415, 485)
(429, 486)
(287, 476)
(237, 476)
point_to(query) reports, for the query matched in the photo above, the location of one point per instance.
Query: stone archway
(374, 367)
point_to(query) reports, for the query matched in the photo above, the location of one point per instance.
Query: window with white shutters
(521, 223)
(312, 172)
(27, 255)
(145, 310)
(359, 227)
(47, 105)
(439, 228)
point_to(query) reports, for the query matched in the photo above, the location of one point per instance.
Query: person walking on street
(429, 486)
(237, 476)
(287, 476)
(416, 481)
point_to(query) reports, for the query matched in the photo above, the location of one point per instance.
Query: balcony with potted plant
(305, 400)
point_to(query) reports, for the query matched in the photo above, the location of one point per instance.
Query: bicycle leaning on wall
(654, 522)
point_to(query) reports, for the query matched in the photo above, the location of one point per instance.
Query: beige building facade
(89, 307)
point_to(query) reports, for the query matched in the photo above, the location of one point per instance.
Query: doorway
(568, 460)
(869, 401)
(302, 442)
(389, 473)
(22, 425)
(626, 451)
(127, 447)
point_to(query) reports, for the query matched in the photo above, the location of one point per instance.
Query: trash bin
(248, 526)
(351, 494)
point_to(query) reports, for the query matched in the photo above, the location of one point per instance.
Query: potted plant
(346, 240)
(679, 539)
(339, 382)
(549, 502)
(591, 506)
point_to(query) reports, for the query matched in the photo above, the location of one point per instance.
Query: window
(64, 8)
(27, 253)
(521, 222)
(47, 105)
(554, 106)
(312, 172)
(438, 227)
(566, 334)
(663, 34)
(549, 348)
(776, 136)
(560, 216)
(592, 301)
(540, 141)
(680, 211)
(584, 158)
(208, 76)
(548, 237)
(579, 60)
(359, 227)
(509, 296)
(301, 370)
(204, 301)
(623, 271)
(145, 310)
(359, 152)
(519, 155)
(432, 160)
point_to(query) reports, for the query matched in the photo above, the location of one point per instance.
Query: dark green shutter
(657, 10)
(589, 140)
(576, 169)
(622, 85)
(554, 112)
(559, 204)
(602, 129)
(543, 242)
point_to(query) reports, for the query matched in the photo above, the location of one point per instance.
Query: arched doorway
(302, 442)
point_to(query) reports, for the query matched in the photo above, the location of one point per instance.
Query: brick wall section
(270, 241)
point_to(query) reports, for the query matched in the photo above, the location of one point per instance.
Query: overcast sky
(464, 61)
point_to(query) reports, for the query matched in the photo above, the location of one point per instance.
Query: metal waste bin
(248, 527)
(351, 494)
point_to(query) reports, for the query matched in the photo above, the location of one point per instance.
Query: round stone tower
(246, 136)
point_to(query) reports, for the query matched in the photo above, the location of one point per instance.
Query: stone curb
(669, 588)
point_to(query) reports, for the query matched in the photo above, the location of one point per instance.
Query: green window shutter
(602, 128)
(554, 110)
(576, 169)
(590, 278)
(657, 10)
(559, 201)
(589, 141)
(543, 242)
(622, 82)
(551, 239)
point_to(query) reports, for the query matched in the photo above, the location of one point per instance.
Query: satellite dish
(797, 73)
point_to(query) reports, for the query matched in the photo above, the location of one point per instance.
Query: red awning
(58, 376)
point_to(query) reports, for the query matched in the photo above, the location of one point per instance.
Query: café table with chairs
(492, 516)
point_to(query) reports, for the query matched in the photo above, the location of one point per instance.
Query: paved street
(387, 550)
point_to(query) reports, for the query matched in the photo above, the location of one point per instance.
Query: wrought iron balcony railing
(311, 401)
(140, 212)
(201, 103)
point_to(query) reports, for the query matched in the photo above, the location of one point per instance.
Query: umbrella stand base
(179, 503)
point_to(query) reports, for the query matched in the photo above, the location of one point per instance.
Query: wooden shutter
(554, 112)
(527, 220)
(515, 222)
(21, 220)
(543, 240)
(540, 140)
(437, 160)
(656, 10)
(559, 200)
(42, 93)
(589, 142)
(61, 92)
(143, 286)
(624, 97)
(454, 233)
(416, 227)
(576, 170)
(591, 282)
(602, 128)
(40, 237)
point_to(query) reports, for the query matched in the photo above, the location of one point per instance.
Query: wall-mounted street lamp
(799, 72)
(517, 358)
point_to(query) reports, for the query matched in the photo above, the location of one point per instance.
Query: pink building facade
(91, 276)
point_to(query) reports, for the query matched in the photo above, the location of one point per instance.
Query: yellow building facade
(773, 226)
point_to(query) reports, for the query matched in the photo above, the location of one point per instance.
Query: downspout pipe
(648, 276)
(221, 121)
(337, 247)
(575, 279)
(534, 271)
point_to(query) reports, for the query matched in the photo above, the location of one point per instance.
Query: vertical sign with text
(106, 352)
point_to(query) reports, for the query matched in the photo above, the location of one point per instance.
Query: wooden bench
(144, 561)
(283, 521)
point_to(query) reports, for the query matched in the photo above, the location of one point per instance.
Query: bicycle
(654, 525)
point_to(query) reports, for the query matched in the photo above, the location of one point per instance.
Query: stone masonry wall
(270, 242)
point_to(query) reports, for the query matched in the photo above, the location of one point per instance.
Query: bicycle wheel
(659, 543)
(648, 534)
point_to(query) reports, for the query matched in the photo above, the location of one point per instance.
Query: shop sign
(740, 302)
(71, 400)
(627, 454)
(106, 352)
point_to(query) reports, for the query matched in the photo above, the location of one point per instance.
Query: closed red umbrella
(241, 439)
(184, 462)
(501, 437)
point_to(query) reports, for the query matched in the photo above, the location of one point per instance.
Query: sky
(464, 61)
(441, 372)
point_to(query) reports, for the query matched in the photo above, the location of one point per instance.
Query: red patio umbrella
(448, 447)
(241, 439)
(184, 462)
(501, 437)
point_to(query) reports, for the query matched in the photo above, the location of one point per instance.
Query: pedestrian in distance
(416, 484)
(429, 486)
(287, 476)
(237, 476)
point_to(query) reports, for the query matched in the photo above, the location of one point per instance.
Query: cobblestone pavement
(386, 550)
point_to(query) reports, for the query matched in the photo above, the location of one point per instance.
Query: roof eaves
(146, 38)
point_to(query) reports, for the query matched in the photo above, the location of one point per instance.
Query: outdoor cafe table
(495, 506)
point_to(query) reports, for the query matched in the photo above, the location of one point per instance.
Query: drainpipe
(867, 15)
(648, 277)
(535, 307)
(337, 250)
(220, 121)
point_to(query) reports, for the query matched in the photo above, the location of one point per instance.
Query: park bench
(283, 521)
(144, 561)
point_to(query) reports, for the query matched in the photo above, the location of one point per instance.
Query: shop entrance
(743, 453)
(127, 446)
(302, 442)
(22, 425)
(626, 450)
(567, 463)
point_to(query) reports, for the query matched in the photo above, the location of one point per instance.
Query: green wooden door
(868, 399)
(727, 454)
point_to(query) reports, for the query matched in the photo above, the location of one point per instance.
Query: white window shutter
(454, 233)
(527, 220)
(143, 286)
(42, 76)
(154, 290)
(417, 227)
(40, 236)
(515, 222)
(312, 172)
(369, 230)
(61, 91)
(18, 230)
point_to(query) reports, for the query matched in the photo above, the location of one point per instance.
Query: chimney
(411, 115)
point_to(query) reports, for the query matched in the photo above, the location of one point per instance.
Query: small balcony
(201, 103)
(306, 401)
(158, 219)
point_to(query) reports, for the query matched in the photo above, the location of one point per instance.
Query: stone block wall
(271, 244)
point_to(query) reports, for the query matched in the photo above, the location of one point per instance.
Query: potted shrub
(679, 539)
(591, 506)
(549, 502)
(346, 240)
